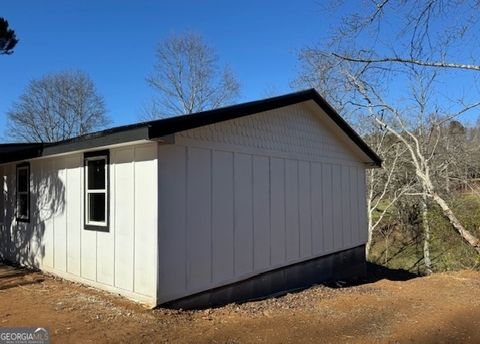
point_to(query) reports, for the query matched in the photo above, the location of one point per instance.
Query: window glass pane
(22, 180)
(2, 199)
(96, 207)
(22, 205)
(96, 174)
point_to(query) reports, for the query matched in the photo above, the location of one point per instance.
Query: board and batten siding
(122, 260)
(245, 196)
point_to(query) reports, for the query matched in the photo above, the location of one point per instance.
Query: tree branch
(434, 64)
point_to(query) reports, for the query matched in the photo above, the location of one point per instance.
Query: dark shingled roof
(159, 128)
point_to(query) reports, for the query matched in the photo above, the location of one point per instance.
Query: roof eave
(155, 130)
(84, 143)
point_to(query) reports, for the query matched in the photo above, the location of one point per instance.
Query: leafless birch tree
(372, 58)
(57, 107)
(377, 107)
(187, 78)
(387, 185)
(425, 33)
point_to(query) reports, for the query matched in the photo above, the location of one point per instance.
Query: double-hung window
(23, 193)
(2, 199)
(96, 190)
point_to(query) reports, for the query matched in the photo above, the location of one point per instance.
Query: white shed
(194, 210)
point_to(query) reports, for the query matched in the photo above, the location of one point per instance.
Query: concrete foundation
(343, 265)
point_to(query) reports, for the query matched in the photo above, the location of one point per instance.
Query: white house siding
(122, 260)
(244, 196)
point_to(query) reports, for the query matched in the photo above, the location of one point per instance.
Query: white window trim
(19, 193)
(93, 191)
(3, 201)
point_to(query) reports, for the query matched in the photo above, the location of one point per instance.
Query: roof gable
(297, 131)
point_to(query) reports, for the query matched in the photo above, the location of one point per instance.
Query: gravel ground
(389, 307)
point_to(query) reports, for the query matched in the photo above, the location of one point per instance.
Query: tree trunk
(426, 236)
(386, 250)
(447, 177)
(464, 233)
(368, 246)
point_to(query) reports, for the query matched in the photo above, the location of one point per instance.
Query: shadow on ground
(260, 288)
(374, 273)
(12, 277)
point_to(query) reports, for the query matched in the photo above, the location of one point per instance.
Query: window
(2, 197)
(23, 193)
(96, 190)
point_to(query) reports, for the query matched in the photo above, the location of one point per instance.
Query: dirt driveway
(443, 308)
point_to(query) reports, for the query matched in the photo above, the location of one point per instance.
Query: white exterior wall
(122, 260)
(245, 196)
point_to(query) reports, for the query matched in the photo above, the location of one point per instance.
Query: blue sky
(114, 42)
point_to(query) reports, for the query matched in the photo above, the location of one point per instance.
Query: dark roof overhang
(154, 130)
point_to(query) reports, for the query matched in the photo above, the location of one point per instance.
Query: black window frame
(3, 200)
(22, 166)
(86, 157)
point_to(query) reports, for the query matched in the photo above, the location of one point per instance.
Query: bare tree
(8, 39)
(386, 186)
(415, 32)
(57, 107)
(187, 78)
(389, 60)
(421, 159)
